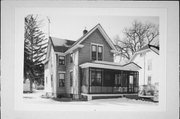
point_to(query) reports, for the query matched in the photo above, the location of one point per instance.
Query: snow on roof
(111, 65)
(146, 48)
(151, 47)
(61, 45)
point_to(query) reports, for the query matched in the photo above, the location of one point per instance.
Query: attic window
(94, 49)
(96, 52)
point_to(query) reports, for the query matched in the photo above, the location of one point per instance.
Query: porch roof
(111, 65)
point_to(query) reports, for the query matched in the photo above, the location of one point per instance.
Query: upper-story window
(100, 51)
(96, 52)
(61, 60)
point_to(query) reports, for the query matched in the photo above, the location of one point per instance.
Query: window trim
(97, 45)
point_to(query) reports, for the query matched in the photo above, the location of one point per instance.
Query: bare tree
(135, 37)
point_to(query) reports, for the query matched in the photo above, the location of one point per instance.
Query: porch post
(89, 80)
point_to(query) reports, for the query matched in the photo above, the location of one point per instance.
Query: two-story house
(148, 59)
(86, 66)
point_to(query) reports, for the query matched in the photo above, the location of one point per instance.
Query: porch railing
(108, 89)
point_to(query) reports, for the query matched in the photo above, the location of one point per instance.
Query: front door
(131, 84)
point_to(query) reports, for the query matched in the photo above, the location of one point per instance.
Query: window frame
(97, 48)
(60, 59)
(99, 52)
(62, 79)
(92, 52)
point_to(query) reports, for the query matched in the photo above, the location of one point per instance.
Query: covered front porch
(109, 78)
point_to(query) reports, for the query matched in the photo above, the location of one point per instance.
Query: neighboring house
(148, 59)
(86, 66)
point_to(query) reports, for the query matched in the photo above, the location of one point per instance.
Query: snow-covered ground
(36, 98)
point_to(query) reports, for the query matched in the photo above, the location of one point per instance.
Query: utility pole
(48, 26)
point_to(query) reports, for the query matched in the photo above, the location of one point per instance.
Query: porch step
(99, 96)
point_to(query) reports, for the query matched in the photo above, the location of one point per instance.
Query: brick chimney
(84, 31)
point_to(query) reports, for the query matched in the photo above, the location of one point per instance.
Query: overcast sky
(70, 26)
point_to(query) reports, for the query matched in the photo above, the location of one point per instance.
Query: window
(149, 80)
(61, 79)
(96, 77)
(96, 52)
(71, 78)
(94, 49)
(71, 57)
(100, 51)
(61, 60)
(149, 65)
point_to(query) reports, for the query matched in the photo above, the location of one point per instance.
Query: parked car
(149, 92)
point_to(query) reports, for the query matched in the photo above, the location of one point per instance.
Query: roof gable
(61, 45)
(146, 48)
(99, 27)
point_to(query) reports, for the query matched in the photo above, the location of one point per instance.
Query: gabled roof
(146, 48)
(66, 46)
(99, 27)
(151, 47)
(61, 45)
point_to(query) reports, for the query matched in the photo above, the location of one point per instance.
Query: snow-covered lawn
(36, 98)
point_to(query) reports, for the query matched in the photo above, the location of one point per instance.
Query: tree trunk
(31, 87)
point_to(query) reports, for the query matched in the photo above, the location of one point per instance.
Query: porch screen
(96, 77)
